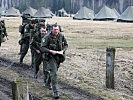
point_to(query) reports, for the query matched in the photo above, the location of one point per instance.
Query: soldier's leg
(47, 78)
(0, 39)
(25, 48)
(20, 49)
(32, 57)
(53, 74)
(38, 60)
(20, 43)
(45, 70)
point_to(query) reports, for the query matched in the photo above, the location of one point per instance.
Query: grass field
(85, 64)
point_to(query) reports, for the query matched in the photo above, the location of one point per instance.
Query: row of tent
(41, 12)
(10, 12)
(105, 13)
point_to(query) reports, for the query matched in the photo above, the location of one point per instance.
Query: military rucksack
(21, 28)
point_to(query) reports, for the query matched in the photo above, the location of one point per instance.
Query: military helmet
(2, 21)
(25, 16)
(40, 20)
(32, 21)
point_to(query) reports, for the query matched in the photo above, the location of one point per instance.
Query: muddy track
(6, 93)
(71, 92)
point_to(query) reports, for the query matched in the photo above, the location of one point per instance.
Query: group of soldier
(48, 46)
(3, 32)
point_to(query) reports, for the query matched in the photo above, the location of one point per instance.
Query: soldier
(1, 36)
(49, 28)
(36, 46)
(55, 45)
(29, 30)
(40, 23)
(25, 21)
(3, 32)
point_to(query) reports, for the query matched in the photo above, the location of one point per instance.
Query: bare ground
(85, 62)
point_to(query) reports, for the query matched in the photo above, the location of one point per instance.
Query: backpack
(21, 28)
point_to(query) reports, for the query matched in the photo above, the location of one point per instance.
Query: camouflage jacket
(29, 32)
(35, 42)
(3, 29)
(58, 43)
(50, 42)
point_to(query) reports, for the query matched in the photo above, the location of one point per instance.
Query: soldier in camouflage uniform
(36, 46)
(39, 23)
(55, 45)
(3, 32)
(25, 21)
(29, 30)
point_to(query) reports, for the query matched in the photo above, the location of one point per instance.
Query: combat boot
(35, 76)
(21, 60)
(56, 95)
(49, 86)
(47, 82)
(19, 53)
(45, 79)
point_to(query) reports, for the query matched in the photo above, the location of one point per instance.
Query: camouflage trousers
(52, 68)
(38, 59)
(0, 39)
(25, 47)
(32, 57)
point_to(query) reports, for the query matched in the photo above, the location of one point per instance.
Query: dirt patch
(67, 91)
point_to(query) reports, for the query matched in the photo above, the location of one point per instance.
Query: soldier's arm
(5, 33)
(44, 45)
(1, 29)
(65, 44)
(26, 32)
(33, 44)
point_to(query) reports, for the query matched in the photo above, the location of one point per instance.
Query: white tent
(106, 13)
(12, 12)
(84, 13)
(30, 11)
(43, 13)
(127, 15)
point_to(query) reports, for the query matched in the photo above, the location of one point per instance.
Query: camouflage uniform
(28, 31)
(57, 43)
(1, 36)
(3, 32)
(21, 30)
(25, 21)
(38, 58)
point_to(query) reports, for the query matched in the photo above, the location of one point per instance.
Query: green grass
(93, 42)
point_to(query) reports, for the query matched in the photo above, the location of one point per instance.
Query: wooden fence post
(14, 90)
(19, 90)
(110, 57)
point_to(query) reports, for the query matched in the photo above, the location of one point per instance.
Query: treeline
(71, 6)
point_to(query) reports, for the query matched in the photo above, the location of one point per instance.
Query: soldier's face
(55, 30)
(42, 31)
(32, 24)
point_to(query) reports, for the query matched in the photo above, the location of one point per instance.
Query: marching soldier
(3, 32)
(35, 44)
(29, 30)
(55, 45)
(25, 21)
